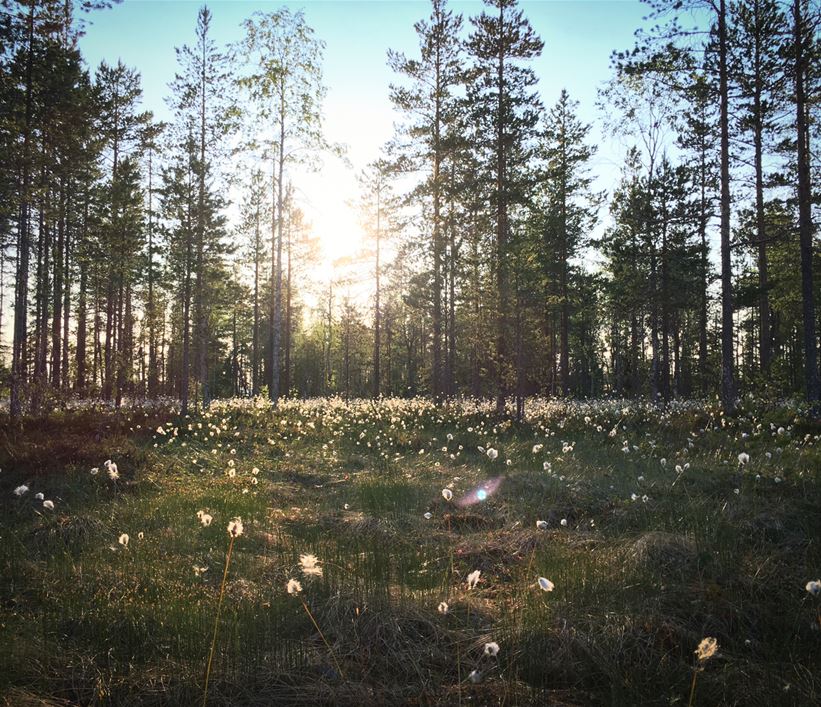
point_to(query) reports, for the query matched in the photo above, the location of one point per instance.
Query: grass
(647, 558)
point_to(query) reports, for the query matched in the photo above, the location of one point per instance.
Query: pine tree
(503, 100)
(202, 102)
(430, 102)
(568, 210)
(756, 70)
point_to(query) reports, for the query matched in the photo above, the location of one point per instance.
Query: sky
(579, 36)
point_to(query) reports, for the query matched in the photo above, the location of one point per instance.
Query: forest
(496, 270)
(547, 433)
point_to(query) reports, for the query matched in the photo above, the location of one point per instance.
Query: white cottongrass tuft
(706, 649)
(48, 505)
(473, 579)
(293, 586)
(428, 515)
(447, 494)
(492, 649)
(492, 454)
(123, 539)
(204, 518)
(443, 607)
(38, 496)
(814, 587)
(94, 471)
(546, 585)
(743, 458)
(235, 527)
(541, 525)
(310, 565)
(20, 490)
(475, 676)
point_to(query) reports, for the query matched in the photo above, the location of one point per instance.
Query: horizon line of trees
(478, 222)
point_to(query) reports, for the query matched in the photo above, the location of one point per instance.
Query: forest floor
(661, 528)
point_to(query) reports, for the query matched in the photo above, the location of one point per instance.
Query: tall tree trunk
(19, 344)
(564, 323)
(66, 309)
(185, 372)
(186, 332)
(665, 303)
(728, 390)
(151, 311)
(705, 270)
(97, 358)
(41, 277)
(451, 367)
(120, 329)
(812, 383)
(255, 354)
(501, 232)
(287, 367)
(764, 329)
(82, 328)
(436, 377)
(277, 270)
(201, 312)
(377, 324)
(57, 288)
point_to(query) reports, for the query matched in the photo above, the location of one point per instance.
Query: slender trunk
(377, 343)
(705, 272)
(728, 391)
(764, 333)
(57, 288)
(329, 340)
(520, 363)
(201, 313)
(277, 274)
(151, 312)
(255, 359)
(564, 325)
(66, 309)
(186, 312)
(436, 377)
(82, 328)
(19, 345)
(654, 299)
(120, 329)
(96, 359)
(501, 233)
(234, 352)
(451, 372)
(812, 383)
(41, 304)
(664, 358)
(286, 378)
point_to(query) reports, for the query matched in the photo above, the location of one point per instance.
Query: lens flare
(480, 493)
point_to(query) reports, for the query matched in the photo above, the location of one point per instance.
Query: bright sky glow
(579, 37)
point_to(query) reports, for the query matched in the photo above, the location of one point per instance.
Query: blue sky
(579, 36)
